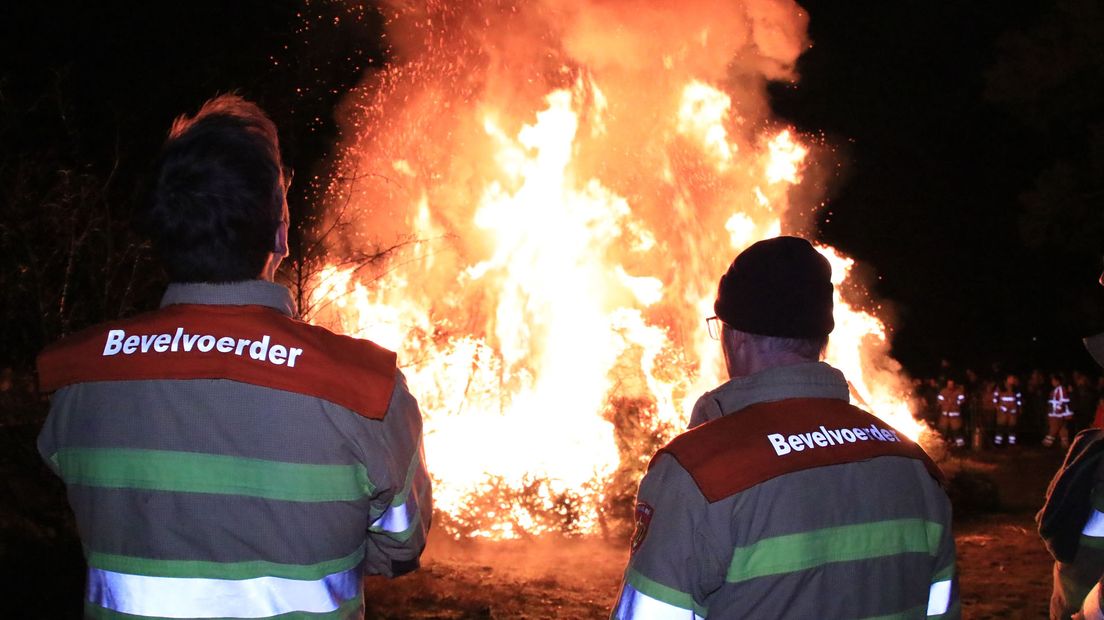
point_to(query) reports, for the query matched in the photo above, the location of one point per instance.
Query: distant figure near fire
(783, 500)
(1058, 412)
(951, 398)
(223, 459)
(1009, 402)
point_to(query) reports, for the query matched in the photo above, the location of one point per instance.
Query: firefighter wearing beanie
(783, 500)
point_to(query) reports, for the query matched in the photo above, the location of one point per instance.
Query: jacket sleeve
(944, 601)
(400, 517)
(1074, 581)
(47, 437)
(673, 563)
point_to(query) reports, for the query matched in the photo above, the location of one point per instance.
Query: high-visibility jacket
(802, 508)
(951, 399)
(1009, 401)
(225, 460)
(1059, 403)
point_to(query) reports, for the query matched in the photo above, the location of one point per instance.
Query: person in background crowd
(1009, 402)
(985, 421)
(1059, 412)
(971, 386)
(1083, 402)
(783, 500)
(951, 399)
(929, 395)
(1033, 419)
(224, 459)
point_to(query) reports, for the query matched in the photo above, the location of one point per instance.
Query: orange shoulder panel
(250, 344)
(755, 444)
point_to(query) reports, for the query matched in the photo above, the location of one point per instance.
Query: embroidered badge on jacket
(644, 514)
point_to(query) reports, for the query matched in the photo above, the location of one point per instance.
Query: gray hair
(808, 348)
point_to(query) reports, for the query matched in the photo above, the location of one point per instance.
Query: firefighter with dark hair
(1009, 402)
(783, 500)
(224, 459)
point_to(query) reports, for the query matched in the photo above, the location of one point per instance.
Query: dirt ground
(1005, 572)
(1004, 569)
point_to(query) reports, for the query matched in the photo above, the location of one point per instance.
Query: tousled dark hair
(218, 196)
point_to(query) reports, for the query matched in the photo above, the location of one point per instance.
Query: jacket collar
(806, 380)
(245, 293)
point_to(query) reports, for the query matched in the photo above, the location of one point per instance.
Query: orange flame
(573, 209)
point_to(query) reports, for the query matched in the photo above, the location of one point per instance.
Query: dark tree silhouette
(1051, 76)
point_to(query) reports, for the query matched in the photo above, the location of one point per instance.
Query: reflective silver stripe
(939, 597)
(397, 518)
(185, 597)
(1090, 609)
(951, 414)
(1059, 404)
(635, 605)
(1094, 527)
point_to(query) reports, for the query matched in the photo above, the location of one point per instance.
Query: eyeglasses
(713, 326)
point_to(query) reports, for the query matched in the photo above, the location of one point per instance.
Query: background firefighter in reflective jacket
(224, 459)
(951, 399)
(1009, 403)
(783, 500)
(1058, 412)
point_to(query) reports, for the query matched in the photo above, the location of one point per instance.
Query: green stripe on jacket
(666, 594)
(193, 472)
(221, 570)
(795, 552)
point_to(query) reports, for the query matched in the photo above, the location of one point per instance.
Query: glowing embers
(858, 346)
(571, 209)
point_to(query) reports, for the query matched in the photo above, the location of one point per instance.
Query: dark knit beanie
(778, 287)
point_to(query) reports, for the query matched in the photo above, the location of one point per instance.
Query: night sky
(939, 145)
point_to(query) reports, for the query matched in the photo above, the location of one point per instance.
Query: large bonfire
(565, 181)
